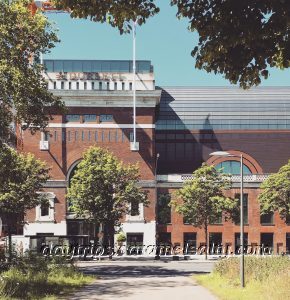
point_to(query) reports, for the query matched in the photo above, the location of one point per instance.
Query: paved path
(144, 281)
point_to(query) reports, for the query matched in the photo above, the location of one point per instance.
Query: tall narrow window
(44, 209)
(83, 135)
(69, 85)
(115, 86)
(108, 85)
(134, 208)
(103, 136)
(55, 136)
(78, 85)
(123, 86)
(89, 135)
(96, 136)
(85, 85)
(100, 86)
(62, 85)
(130, 86)
(68, 136)
(245, 208)
(76, 136)
(54, 85)
(93, 85)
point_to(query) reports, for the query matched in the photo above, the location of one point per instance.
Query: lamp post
(242, 258)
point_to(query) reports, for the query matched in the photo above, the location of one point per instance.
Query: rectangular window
(238, 242)
(54, 85)
(46, 136)
(83, 136)
(85, 85)
(103, 136)
(100, 86)
(134, 208)
(78, 85)
(130, 86)
(73, 118)
(163, 209)
(44, 209)
(189, 240)
(123, 86)
(89, 118)
(215, 240)
(267, 240)
(106, 118)
(76, 135)
(62, 85)
(68, 136)
(108, 86)
(245, 209)
(69, 85)
(96, 136)
(89, 135)
(267, 219)
(93, 85)
(164, 238)
(115, 86)
(55, 136)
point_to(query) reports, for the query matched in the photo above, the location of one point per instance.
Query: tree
(238, 39)
(24, 97)
(103, 188)
(203, 200)
(117, 13)
(21, 178)
(275, 195)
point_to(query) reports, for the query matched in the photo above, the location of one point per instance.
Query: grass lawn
(267, 278)
(35, 278)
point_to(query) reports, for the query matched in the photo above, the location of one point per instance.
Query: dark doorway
(267, 243)
(238, 242)
(189, 240)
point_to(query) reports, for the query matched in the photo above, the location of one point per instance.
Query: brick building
(182, 125)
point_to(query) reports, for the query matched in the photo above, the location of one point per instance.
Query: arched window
(232, 167)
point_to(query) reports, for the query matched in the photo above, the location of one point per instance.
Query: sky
(163, 39)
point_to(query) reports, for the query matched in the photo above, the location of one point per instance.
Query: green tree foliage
(238, 39)
(21, 178)
(102, 189)
(23, 90)
(275, 195)
(202, 198)
(117, 13)
(164, 209)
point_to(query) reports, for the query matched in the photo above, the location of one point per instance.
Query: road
(140, 280)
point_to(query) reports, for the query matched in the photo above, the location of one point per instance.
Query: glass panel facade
(232, 167)
(118, 66)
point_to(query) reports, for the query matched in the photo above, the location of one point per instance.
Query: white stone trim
(120, 126)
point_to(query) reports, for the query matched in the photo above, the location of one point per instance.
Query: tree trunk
(206, 240)
(9, 243)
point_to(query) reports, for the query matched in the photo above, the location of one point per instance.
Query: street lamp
(242, 260)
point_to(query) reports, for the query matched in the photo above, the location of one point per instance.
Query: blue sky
(164, 40)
